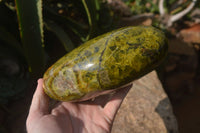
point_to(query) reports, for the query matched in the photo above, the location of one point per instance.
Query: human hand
(69, 117)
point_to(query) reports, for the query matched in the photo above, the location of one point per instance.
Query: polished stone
(105, 63)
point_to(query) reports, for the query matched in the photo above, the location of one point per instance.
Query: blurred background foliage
(143, 6)
(152, 6)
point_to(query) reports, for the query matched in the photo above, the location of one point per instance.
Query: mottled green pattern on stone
(106, 62)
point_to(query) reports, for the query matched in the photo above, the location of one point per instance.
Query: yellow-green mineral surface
(105, 63)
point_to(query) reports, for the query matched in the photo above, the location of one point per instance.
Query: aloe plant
(31, 30)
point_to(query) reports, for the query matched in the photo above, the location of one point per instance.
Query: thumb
(115, 102)
(40, 102)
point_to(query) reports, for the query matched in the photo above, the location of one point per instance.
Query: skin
(67, 117)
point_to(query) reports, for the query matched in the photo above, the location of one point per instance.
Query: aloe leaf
(61, 35)
(29, 14)
(91, 7)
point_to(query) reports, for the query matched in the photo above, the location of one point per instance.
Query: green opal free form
(105, 63)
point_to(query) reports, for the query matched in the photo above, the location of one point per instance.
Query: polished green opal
(105, 63)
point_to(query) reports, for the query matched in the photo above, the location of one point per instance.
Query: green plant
(142, 6)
